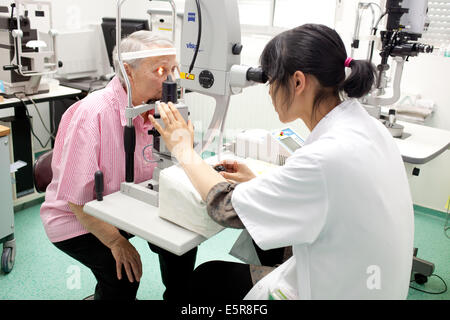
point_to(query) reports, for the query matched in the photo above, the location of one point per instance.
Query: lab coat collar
(324, 124)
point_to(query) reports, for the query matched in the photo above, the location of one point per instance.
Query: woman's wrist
(185, 155)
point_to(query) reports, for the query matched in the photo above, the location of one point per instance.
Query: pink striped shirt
(90, 138)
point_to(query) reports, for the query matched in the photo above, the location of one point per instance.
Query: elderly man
(90, 138)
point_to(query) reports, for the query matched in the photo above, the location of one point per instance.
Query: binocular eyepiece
(257, 75)
(169, 91)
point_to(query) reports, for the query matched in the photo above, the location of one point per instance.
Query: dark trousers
(92, 253)
(224, 280)
(175, 272)
(88, 250)
(220, 281)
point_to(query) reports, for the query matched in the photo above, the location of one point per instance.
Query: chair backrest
(42, 171)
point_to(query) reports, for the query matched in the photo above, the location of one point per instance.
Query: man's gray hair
(137, 41)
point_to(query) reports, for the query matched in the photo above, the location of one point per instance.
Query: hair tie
(347, 62)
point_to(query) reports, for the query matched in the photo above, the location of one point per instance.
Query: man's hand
(126, 255)
(123, 251)
(236, 171)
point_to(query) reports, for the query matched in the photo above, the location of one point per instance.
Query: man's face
(148, 77)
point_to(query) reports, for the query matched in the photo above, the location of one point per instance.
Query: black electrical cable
(197, 48)
(424, 291)
(378, 22)
(31, 125)
(374, 33)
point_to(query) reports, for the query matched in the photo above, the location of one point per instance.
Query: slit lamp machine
(406, 20)
(26, 57)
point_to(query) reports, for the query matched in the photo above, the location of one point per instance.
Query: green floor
(43, 272)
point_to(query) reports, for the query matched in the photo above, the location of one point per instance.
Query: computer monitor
(128, 27)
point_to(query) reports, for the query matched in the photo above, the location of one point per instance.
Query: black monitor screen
(128, 27)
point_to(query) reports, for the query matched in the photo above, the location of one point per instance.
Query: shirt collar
(122, 98)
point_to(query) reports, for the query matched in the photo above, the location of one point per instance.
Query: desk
(21, 135)
(57, 93)
(85, 85)
(424, 143)
(421, 145)
(143, 222)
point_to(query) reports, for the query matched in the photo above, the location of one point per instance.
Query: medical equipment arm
(399, 41)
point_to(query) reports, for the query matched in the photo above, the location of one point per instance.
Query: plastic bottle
(447, 52)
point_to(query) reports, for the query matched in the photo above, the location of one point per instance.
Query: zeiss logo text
(191, 16)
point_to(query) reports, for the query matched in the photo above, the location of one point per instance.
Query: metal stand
(421, 269)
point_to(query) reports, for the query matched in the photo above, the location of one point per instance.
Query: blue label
(2, 87)
(288, 132)
(191, 16)
(192, 46)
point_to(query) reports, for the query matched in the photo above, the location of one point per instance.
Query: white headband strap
(148, 53)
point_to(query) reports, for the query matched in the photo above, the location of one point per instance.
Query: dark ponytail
(319, 51)
(360, 80)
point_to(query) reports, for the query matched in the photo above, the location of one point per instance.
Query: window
(274, 16)
(255, 12)
(293, 13)
(438, 33)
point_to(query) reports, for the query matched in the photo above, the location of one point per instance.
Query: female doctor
(342, 201)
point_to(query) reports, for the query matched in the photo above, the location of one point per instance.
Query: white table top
(424, 144)
(55, 92)
(143, 221)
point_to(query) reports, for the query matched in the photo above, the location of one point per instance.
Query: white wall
(74, 14)
(427, 76)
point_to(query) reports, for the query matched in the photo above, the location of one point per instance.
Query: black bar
(129, 136)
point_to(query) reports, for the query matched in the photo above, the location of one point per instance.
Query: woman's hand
(236, 171)
(177, 134)
(126, 256)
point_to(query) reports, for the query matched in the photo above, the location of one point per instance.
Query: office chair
(42, 171)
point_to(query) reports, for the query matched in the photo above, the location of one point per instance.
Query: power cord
(19, 95)
(429, 292)
(52, 134)
(199, 36)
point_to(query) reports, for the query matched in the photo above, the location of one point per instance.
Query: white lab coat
(343, 202)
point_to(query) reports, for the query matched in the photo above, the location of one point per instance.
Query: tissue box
(181, 204)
